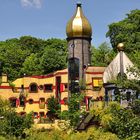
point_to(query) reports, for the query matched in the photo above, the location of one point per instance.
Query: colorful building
(31, 93)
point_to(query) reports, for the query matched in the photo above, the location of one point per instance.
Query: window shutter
(62, 87)
(17, 102)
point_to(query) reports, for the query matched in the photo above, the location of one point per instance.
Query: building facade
(31, 93)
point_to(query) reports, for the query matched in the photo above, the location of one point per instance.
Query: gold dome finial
(78, 26)
(120, 47)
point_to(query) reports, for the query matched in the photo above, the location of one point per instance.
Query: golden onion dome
(120, 47)
(78, 25)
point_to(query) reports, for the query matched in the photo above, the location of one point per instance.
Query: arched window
(33, 88)
(41, 114)
(35, 115)
(42, 103)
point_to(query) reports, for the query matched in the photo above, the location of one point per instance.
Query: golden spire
(78, 26)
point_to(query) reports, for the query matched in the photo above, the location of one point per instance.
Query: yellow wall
(6, 93)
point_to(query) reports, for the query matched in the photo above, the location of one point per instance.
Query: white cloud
(32, 3)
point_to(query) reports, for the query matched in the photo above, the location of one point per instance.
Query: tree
(102, 55)
(12, 57)
(73, 114)
(31, 65)
(118, 120)
(31, 55)
(58, 44)
(12, 124)
(135, 57)
(53, 107)
(52, 60)
(34, 45)
(127, 31)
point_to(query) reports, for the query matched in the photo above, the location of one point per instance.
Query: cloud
(31, 3)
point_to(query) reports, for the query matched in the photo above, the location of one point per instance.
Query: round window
(30, 101)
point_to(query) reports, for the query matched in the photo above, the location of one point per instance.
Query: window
(30, 101)
(35, 115)
(41, 114)
(22, 87)
(48, 88)
(73, 68)
(42, 103)
(137, 95)
(22, 113)
(74, 72)
(33, 88)
(128, 96)
(13, 102)
(66, 87)
(97, 83)
(22, 101)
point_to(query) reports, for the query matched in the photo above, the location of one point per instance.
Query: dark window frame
(49, 89)
(31, 90)
(41, 116)
(35, 115)
(74, 68)
(30, 101)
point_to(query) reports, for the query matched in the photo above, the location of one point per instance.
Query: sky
(48, 18)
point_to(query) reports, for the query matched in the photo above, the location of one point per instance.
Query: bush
(13, 124)
(135, 105)
(118, 120)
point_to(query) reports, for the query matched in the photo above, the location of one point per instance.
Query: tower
(79, 34)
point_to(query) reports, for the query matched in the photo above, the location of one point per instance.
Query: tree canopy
(32, 56)
(128, 32)
(102, 55)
